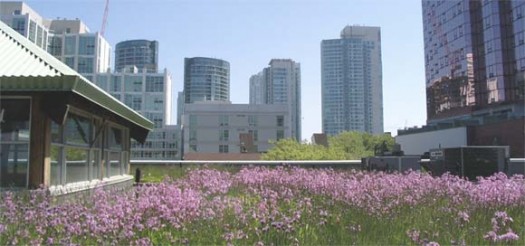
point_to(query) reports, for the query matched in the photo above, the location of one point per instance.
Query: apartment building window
(133, 84)
(115, 84)
(223, 120)
(133, 101)
(254, 134)
(32, 30)
(70, 61)
(19, 24)
(224, 135)
(86, 45)
(154, 84)
(193, 135)
(85, 65)
(252, 120)
(223, 148)
(280, 134)
(70, 47)
(193, 147)
(280, 120)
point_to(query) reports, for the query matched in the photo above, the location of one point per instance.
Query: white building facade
(148, 94)
(25, 21)
(351, 81)
(233, 128)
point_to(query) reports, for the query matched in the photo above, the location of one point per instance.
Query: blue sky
(249, 33)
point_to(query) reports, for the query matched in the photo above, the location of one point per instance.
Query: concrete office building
(214, 127)
(143, 54)
(475, 71)
(25, 21)
(148, 94)
(280, 83)
(206, 79)
(351, 81)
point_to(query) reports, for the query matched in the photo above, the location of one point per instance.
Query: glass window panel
(32, 31)
(133, 83)
(19, 24)
(115, 139)
(280, 134)
(56, 165)
(70, 46)
(280, 120)
(154, 84)
(55, 46)
(70, 61)
(85, 65)
(76, 165)
(114, 163)
(94, 164)
(13, 165)
(14, 118)
(116, 84)
(86, 45)
(77, 130)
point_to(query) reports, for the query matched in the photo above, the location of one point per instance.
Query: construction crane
(104, 19)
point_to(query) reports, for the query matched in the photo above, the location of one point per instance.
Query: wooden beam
(40, 137)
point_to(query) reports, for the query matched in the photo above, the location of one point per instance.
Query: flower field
(278, 206)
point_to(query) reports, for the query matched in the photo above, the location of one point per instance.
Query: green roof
(26, 67)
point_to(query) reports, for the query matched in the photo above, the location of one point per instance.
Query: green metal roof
(26, 67)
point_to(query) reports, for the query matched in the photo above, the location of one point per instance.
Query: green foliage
(289, 149)
(347, 145)
(356, 145)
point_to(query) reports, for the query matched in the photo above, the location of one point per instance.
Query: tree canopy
(345, 146)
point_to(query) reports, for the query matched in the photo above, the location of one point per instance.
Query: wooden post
(40, 140)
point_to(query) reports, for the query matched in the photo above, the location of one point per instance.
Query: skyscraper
(474, 58)
(143, 54)
(206, 79)
(351, 81)
(475, 66)
(280, 83)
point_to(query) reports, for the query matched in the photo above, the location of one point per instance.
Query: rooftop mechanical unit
(469, 162)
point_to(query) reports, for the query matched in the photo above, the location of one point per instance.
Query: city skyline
(252, 35)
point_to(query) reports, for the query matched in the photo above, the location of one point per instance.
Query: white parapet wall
(421, 142)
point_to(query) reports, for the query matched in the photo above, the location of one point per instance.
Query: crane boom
(104, 19)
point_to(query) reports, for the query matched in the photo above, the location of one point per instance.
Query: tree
(346, 145)
(290, 149)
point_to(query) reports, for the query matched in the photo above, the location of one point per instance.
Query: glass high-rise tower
(206, 79)
(351, 81)
(143, 54)
(474, 58)
(280, 83)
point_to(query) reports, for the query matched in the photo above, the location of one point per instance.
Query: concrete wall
(419, 143)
